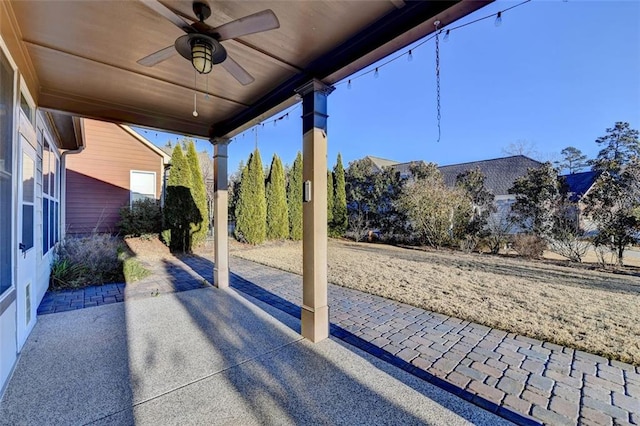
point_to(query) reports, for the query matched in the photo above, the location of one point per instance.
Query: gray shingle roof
(500, 173)
(380, 163)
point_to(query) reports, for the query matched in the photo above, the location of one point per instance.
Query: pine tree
(340, 220)
(277, 210)
(329, 197)
(294, 199)
(251, 211)
(199, 227)
(573, 160)
(179, 207)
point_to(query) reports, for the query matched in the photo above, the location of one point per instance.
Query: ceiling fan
(201, 43)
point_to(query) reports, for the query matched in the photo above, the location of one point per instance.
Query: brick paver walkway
(167, 276)
(520, 378)
(546, 382)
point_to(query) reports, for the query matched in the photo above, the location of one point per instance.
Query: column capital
(315, 85)
(220, 141)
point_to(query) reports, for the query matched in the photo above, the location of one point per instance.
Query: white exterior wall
(8, 325)
(9, 345)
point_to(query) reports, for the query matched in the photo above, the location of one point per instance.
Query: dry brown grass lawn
(585, 309)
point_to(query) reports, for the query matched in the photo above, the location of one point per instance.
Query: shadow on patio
(210, 356)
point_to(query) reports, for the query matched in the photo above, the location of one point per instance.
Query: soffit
(84, 55)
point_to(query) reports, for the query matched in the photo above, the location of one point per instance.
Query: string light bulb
(446, 36)
(410, 56)
(349, 85)
(498, 21)
(376, 73)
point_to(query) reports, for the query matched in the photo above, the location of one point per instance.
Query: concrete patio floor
(210, 356)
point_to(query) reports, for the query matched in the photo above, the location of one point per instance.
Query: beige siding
(98, 179)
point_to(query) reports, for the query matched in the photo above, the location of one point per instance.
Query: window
(28, 110)
(6, 163)
(143, 185)
(50, 198)
(28, 200)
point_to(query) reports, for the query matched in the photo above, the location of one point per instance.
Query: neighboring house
(117, 167)
(500, 174)
(578, 186)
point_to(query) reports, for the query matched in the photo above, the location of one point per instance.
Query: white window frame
(9, 293)
(54, 158)
(155, 184)
(24, 91)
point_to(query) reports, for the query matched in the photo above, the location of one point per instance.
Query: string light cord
(426, 40)
(282, 116)
(410, 51)
(501, 12)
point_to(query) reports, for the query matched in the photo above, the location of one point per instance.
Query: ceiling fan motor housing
(201, 10)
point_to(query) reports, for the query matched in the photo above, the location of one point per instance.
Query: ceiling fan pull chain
(195, 94)
(206, 95)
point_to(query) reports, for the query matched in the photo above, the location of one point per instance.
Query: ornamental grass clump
(87, 260)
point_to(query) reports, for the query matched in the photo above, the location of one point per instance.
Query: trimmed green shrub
(251, 210)
(199, 228)
(277, 210)
(179, 208)
(340, 221)
(294, 199)
(143, 217)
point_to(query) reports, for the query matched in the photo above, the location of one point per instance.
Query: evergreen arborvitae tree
(329, 197)
(179, 207)
(235, 182)
(277, 210)
(294, 199)
(340, 221)
(251, 211)
(199, 227)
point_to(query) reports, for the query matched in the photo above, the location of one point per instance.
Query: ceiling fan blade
(251, 24)
(237, 71)
(168, 14)
(159, 56)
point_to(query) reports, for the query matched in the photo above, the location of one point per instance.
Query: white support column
(315, 310)
(220, 214)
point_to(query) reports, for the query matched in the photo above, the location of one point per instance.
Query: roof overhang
(69, 130)
(80, 58)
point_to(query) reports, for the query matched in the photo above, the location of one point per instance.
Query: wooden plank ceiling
(84, 56)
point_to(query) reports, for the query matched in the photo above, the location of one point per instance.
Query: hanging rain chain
(437, 24)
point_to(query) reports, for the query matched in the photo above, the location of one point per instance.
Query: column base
(220, 278)
(315, 323)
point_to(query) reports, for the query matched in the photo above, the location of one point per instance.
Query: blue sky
(554, 74)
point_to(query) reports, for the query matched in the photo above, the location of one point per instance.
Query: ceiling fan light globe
(201, 56)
